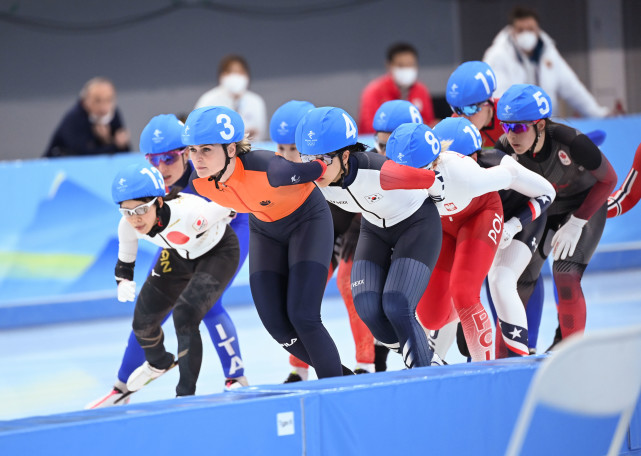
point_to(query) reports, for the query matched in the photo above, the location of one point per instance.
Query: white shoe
(437, 361)
(143, 375)
(119, 395)
(235, 383)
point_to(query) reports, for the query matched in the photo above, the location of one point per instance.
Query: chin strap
(536, 141)
(216, 178)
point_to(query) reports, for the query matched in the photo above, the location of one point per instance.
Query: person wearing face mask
(522, 53)
(399, 83)
(93, 125)
(233, 92)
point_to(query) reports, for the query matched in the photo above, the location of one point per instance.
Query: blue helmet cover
(325, 130)
(413, 145)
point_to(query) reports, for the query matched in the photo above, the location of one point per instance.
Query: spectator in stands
(399, 83)
(93, 125)
(232, 92)
(522, 53)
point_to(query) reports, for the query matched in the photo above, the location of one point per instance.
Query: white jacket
(250, 106)
(552, 74)
(465, 180)
(194, 228)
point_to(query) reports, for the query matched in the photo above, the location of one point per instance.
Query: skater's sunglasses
(168, 158)
(472, 109)
(326, 158)
(138, 210)
(517, 127)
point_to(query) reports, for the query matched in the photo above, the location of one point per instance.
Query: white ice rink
(60, 368)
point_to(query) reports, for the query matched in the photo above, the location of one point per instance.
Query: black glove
(124, 271)
(350, 239)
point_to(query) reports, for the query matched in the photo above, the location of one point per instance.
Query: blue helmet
(472, 82)
(162, 134)
(325, 130)
(413, 145)
(282, 127)
(524, 102)
(137, 181)
(465, 137)
(393, 113)
(213, 125)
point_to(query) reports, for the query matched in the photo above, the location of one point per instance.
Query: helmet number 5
(226, 121)
(540, 100)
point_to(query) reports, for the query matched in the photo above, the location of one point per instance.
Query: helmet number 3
(350, 128)
(541, 100)
(226, 121)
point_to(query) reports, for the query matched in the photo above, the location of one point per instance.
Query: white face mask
(102, 120)
(235, 83)
(404, 76)
(526, 40)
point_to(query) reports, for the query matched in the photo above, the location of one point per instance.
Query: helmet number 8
(541, 100)
(226, 121)
(416, 116)
(433, 142)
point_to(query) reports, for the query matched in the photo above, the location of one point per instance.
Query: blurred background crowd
(162, 56)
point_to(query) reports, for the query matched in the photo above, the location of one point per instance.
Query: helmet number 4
(541, 100)
(350, 128)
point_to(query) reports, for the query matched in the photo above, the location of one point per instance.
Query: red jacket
(384, 89)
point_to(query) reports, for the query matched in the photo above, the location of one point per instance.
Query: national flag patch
(200, 224)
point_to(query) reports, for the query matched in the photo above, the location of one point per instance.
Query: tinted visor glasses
(517, 127)
(472, 109)
(326, 158)
(138, 210)
(168, 158)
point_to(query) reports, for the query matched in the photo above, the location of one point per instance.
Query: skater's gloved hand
(565, 240)
(437, 190)
(510, 229)
(126, 290)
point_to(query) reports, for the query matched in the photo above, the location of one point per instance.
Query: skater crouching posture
(290, 227)
(161, 142)
(472, 222)
(201, 258)
(583, 179)
(282, 129)
(524, 206)
(400, 234)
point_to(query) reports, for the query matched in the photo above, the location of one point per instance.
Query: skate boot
(299, 374)
(235, 383)
(145, 374)
(119, 395)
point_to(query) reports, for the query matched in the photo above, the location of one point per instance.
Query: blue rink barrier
(58, 254)
(465, 409)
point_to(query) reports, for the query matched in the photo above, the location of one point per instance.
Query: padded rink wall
(58, 244)
(465, 409)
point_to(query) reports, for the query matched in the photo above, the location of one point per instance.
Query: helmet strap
(216, 177)
(532, 149)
